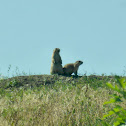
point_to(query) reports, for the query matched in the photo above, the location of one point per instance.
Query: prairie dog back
(56, 56)
(56, 64)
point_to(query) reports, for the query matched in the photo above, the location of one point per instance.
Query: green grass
(47, 100)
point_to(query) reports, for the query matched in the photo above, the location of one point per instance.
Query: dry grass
(58, 104)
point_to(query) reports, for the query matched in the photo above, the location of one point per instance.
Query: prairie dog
(68, 69)
(56, 65)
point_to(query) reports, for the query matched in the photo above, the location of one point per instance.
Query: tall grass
(59, 104)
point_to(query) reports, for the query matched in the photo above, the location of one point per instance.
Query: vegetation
(52, 100)
(119, 109)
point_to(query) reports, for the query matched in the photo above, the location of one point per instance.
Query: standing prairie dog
(56, 65)
(68, 69)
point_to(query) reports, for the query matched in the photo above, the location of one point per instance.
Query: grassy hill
(52, 100)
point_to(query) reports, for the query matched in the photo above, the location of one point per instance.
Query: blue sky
(93, 31)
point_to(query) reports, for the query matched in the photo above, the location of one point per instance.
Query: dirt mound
(38, 80)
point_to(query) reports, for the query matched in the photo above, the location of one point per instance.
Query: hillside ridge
(38, 80)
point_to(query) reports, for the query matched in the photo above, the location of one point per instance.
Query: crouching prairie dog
(56, 64)
(68, 69)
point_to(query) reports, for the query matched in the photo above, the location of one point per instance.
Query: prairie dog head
(56, 50)
(78, 63)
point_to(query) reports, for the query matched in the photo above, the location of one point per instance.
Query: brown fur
(68, 69)
(56, 65)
